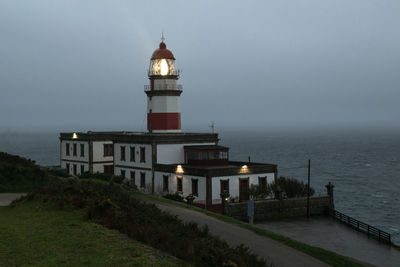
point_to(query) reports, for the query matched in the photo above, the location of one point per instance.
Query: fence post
(329, 189)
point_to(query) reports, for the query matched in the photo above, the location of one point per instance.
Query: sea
(364, 166)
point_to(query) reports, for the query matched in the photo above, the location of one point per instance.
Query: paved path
(7, 198)
(275, 252)
(334, 236)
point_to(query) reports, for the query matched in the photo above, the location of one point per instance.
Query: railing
(363, 227)
(147, 87)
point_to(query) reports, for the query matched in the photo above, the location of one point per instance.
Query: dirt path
(275, 252)
(7, 198)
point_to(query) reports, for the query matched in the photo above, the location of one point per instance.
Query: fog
(81, 65)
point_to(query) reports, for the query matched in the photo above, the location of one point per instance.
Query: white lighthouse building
(164, 159)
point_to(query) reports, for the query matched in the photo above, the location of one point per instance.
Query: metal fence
(362, 227)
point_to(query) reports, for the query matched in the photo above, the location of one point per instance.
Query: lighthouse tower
(163, 109)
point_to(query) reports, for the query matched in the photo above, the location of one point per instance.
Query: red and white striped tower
(163, 109)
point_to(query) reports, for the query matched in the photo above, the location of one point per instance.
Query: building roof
(142, 137)
(207, 147)
(230, 169)
(162, 52)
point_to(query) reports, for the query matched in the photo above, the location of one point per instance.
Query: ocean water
(363, 166)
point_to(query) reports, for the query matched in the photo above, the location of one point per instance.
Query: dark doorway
(243, 189)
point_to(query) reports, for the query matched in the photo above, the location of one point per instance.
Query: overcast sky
(81, 65)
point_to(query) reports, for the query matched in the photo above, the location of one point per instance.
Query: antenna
(162, 37)
(212, 126)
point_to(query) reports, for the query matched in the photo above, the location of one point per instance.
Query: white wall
(136, 179)
(173, 153)
(71, 168)
(162, 104)
(234, 183)
(98, 151)
(99, 167)
(78, 150)
(165, 84)
(127, 162)
(186, 184)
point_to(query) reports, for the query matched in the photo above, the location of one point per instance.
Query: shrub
(16, 160)
(292, 187)
(259, 191)
(176, 197)
(19, 174)
(58, 172)
(102, 176)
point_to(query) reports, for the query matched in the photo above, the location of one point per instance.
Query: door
(243, 189)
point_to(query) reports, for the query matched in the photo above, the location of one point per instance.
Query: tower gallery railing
(147, 87)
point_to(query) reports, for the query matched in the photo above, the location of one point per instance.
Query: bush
(176, 197)
(58, 172)
(259, 191)
(292, 187)
(102, 176)
(16, 160)
(19, 174)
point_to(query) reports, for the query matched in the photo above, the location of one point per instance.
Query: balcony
(165, 87)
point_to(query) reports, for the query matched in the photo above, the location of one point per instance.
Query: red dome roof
(162, 52)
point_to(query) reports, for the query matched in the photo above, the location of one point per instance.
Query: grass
(38, 234)
(324, 255)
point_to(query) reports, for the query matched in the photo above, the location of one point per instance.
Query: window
(165, 183)
(67, 167)
(132, 158)
(75, 171)
(67, 149)
(108, 150)
(223, 155)
(123, 173)
(82, 150)
(142, 154)
(179, 184)
(195, 187)
(203, 155)
(74, 150)
(108, 169)
(82, 169)
(262, 181)
(122, 156)
(133, 176)
(142, 179)
(224, 186)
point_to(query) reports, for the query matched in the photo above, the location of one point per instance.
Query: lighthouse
(163, 108)
(165, 160)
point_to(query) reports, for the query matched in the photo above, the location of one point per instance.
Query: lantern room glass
(162, 67)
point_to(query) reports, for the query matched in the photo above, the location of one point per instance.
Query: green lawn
(38, 234)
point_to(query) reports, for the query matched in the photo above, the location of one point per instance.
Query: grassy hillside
(38, 234)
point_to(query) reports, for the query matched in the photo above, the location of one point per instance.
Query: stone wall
(278, 209)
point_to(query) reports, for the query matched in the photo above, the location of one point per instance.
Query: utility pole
(308, 190)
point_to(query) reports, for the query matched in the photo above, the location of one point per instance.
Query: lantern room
(162, 62)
